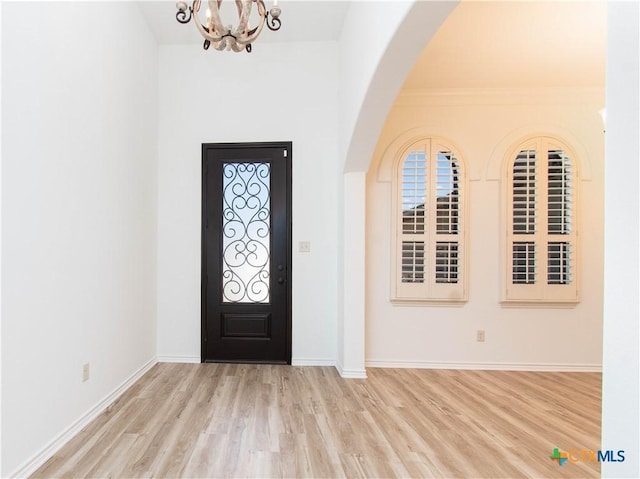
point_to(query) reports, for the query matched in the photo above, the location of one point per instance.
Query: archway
(394, 34)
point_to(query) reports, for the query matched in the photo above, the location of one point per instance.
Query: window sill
(454, 303)
(543, 304)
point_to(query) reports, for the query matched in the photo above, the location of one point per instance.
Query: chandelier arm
(184, 16)
(244, 12)
(273, 23)
(215, 21)
(255, 32)
(251, 34)
(203, 31)
(239, 7)
(201, 28)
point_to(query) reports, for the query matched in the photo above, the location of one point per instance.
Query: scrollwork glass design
(246, 232)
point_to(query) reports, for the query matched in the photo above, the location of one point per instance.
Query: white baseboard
(179, 359)
(350, 373)
(294, 361)
(312, 362)
(38, 459)
(543, 367)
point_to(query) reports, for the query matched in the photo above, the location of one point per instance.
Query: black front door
(246, 252)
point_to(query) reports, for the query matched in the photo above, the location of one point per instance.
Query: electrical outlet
(480, 335)
(85, 372)
(304, 247)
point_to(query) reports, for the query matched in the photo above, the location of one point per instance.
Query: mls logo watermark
(586, 455)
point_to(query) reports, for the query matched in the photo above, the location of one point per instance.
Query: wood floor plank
(269, 421)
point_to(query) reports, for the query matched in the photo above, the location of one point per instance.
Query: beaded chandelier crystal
(227, 37)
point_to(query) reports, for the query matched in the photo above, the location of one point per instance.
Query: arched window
(429, 247)
(542, 206)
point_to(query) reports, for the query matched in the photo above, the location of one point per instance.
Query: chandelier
(227, 37)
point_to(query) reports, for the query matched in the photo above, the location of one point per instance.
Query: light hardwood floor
(232, 420)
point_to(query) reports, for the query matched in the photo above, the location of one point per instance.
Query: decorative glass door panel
(246, 230)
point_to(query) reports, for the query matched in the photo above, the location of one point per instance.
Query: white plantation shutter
(559, 218)
(541, 236)
(446, 241)
(413, 193)
(429, 240)
(412, 262)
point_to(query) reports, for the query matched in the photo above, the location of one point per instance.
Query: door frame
(287, 145)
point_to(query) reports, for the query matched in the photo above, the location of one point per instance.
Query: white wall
(350, 361)
(366, 31)
(279, 92)
(1, 240)
(78, 211)
(380, 42)
(621, 368)
(482, 125)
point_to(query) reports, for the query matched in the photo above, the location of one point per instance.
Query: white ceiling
(516, 44)
(483, 44)
(302, 21)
